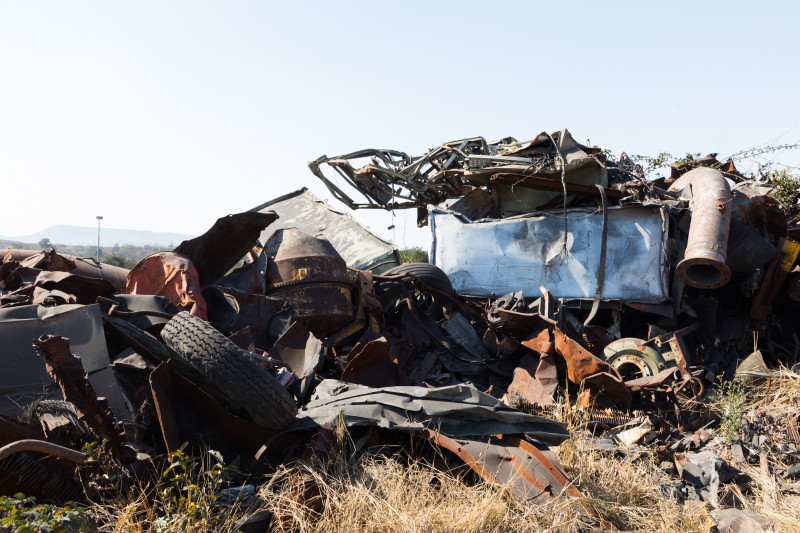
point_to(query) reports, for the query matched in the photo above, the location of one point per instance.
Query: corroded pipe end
(704, 272)
(703, 265)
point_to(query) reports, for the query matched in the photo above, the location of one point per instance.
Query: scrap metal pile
(555, 271)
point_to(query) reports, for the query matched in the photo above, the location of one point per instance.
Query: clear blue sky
(167, 115)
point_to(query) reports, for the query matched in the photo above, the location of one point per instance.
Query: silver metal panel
(359, 247)
(524, 253)
(24, 376)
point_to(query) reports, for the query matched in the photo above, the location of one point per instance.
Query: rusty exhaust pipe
(703, 263)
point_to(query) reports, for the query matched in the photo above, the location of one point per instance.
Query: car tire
(236, 374)
(431, 275)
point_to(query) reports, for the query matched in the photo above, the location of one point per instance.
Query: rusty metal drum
(309, 274)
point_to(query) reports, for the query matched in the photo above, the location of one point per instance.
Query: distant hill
(87, 236)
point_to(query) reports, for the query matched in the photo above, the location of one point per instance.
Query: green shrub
(19, 514)
(414, 255)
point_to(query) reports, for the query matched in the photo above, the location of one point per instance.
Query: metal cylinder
(311, 276)
(703, 263)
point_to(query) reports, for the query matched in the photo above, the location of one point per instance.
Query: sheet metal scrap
(219, 249)
(460, 419)
(302, 352)
(51, 260)
(31, 277)
(26, 379)
(498, 256)
(67, 371)
(172, 275)
(543, 336)
(457, 411)
(528, 471)
(359, 247)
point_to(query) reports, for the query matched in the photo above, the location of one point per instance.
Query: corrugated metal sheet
(359, 247)
(523, 253)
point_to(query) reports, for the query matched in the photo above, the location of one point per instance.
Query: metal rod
(40, 446)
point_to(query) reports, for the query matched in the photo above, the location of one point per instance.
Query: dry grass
(779, 393)
(398, 492)
(385, 494)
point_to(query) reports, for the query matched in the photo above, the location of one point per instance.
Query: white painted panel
(523, 253)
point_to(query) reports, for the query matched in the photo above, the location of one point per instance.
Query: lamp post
(99, 218)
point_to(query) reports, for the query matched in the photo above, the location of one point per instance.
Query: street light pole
(99, 218)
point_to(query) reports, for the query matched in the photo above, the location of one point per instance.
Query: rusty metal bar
(40, 446)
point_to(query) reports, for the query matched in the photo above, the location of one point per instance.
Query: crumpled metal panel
(172, 275)
(456, 411)
(302, 352)
(359, 247)
(529, 472)
(24, 374)
(66, 369)
(80, 266)
(524, 253)
(216, 251)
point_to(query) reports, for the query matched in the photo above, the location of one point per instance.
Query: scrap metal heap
(556, 271)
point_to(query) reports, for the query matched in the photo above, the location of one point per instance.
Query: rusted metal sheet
(81, 266)
(583, 367)
(11, 430)
(168, 387)
(251, 277)
(359, 247)
(662, 378)
(233, 430)
(528, 472)
(523, 325)
(219, 249)
(54, 279)
(703, 264)
(312, 278)
(161, 392)
(33, 286)
(67, 371)
(522, 253)
(171, 275)
(533, 384)
(536, 384)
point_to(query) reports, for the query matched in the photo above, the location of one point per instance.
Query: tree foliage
(414, 255)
